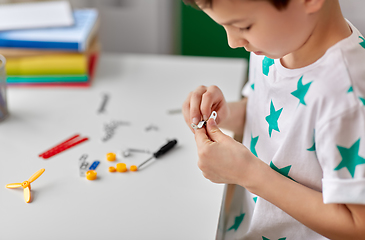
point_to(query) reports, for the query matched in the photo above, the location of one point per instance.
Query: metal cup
(3, 100)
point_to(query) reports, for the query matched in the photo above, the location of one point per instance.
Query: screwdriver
(164, 149)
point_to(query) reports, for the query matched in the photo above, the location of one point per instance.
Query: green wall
(201, 36)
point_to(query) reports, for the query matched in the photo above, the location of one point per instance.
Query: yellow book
(54, 64)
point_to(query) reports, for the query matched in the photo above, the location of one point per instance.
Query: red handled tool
(72, 141)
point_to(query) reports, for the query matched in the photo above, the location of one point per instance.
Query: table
(167, 199)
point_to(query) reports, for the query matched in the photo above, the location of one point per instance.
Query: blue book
(73, 38)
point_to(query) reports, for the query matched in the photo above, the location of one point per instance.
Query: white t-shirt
(309, 125)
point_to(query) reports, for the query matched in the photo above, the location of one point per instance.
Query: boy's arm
(224, 160)
(335, 221)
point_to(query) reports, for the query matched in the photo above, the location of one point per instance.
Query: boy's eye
(245, 29)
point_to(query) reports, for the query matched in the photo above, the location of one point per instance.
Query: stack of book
(59, 56)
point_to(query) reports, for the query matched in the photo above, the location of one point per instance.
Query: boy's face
(261, 28)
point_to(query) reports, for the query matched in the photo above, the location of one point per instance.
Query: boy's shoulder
(332, 85)
(342, 67)
(349, 53)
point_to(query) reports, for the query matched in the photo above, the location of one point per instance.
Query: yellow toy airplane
(26, 184)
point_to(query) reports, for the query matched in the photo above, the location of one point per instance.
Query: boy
(302, 162)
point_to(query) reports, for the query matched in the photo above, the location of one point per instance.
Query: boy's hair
(279, 4)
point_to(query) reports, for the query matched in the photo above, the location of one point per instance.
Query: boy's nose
(235, 41)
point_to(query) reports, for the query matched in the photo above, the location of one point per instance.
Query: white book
(35, 15)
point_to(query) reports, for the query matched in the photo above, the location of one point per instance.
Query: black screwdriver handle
(165, 148)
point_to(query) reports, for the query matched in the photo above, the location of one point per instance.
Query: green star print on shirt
(237, 222)
(363, 42)
(362, 100)
(301, 91)
(313, 148)
(273, 118)
(283, 171)
(253, 86)
(266, 63)
(253, 144)
(350, 158)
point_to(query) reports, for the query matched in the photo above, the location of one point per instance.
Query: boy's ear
(313, 6)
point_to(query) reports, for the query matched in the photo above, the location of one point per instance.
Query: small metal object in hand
(202, 123)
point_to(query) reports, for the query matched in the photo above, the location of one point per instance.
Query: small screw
(128, 151)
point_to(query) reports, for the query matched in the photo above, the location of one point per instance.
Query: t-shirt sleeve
(253, 65)
(340, 149)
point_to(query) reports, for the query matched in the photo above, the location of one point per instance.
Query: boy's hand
(221, 158)
(201, 102)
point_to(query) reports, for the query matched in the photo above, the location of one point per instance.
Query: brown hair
(279, 4)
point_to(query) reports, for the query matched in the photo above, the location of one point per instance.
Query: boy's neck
(331, 28)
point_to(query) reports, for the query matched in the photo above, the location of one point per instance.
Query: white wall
(136, 26)
(354, 11)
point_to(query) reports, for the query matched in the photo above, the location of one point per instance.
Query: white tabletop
(167, 199)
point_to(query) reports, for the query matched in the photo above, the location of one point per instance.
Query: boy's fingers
(211, 98)
(195, 101)
(209, 134)
(213, 132)
(201, 137)
(186, 110)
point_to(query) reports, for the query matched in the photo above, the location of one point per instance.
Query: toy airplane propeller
(26, 184)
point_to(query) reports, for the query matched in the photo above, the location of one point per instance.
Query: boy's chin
(259, 53)
(272, 56)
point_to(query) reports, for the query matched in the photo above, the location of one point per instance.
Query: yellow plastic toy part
(133, 168)
(27, 194)
(26, 184)
(111, 157)
(91, 175)
(112, 169)
(121, 167)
